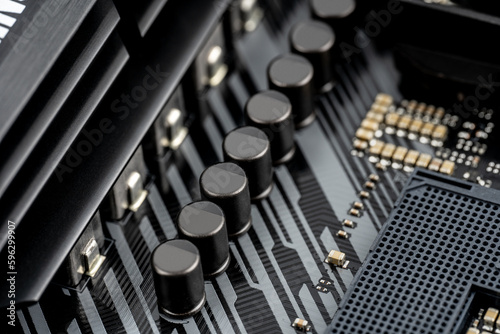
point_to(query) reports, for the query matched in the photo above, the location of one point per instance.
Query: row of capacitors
(250, 152)
(227, 190)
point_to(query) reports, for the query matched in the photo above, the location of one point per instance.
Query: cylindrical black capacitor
(339, 14)
(314, 40)
(226, 185)
(293, 75)
(250, 148)
(178, 278)
(271, 111)
(203, 223)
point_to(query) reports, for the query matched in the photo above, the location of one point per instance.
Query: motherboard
(379, 213)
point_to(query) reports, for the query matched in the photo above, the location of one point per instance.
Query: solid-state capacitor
(203, 223)
(226, 185)
(293, 75)
(250, 148)
(178, 278)
(336, 13)
(314, 40)
(271, 111)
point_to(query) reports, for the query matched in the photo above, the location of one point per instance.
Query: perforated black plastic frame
(442, 236)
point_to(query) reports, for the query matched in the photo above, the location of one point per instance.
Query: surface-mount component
(301, 325)
(388, 151)
(391, 120)
(447, 167)
(210, 66)
(246, 15)
(384, 99)
(423, 160)
(411, 158)
(92, 258)
(85, 258)
(358, 206)
(364, 194)
(360, 145)
(415, 126)
(435, 164)
(426, 131)
(348, 223)
(337, 258)
(370, 185)
(169, 130)
(379, 108)
(343, 234)
(364, 134)
(354, 212)
(376, 149)
(490, 317)
(128, 193)
(377, 117)
(370, 124)
(399, 154)
(440, 132)
(403, 124)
